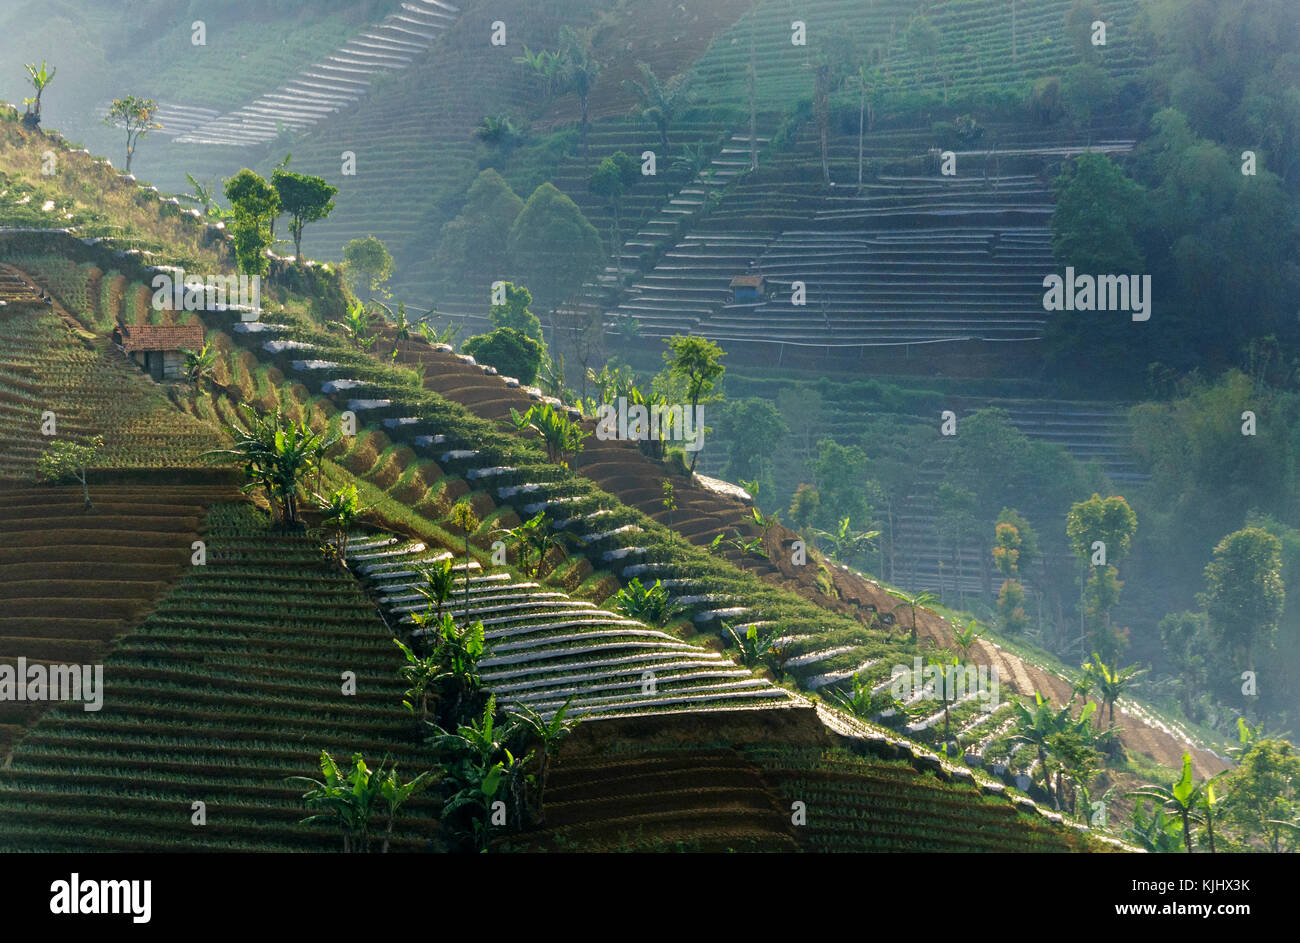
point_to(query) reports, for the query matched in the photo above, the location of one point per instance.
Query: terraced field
(232, 683)
(73, 580)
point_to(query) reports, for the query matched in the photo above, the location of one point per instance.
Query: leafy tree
(660, 102)
(1263, 792)
(1085, 89)
(368, 258)
(501, 132)
(339, 511)
(1184, 797)
(40, 78)
(1245, 594)
(277, 453)
(466, 521)
(922, 40)
(754, 430)
(67, 460)
(512, 353)
(1094, 229)
(516, 312)
(135, 116)
(804, 505)
(439, 579)
(1042, 727)
(305, 198)
(552, 245)
(846, 543)
(471, 247)
(423, 674)
(696, 361)
(455, 652)
(611, 180)
(351, 800)
(533, 540)
(255, 204)
(840, 472)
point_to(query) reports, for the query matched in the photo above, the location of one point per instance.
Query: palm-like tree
(340, 511)
(463, 516)
(914, 601)
(846, 543)
(1043, 724)
(40, 78)
(578, 69)
(439, 580)
(356, 326)
(423, 674)
(350, 800)
(543, 64)
(966, 638)
(561, 435)
(1112, 681)
(660, 102)
(1183, 798)
(199, 364)
(547, 734)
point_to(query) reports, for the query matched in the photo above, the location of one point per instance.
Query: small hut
(156, 348)
(748, 289)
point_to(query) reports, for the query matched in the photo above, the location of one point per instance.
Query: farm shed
(157, 347)
(748, 288)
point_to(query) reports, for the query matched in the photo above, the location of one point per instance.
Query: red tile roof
(748, 281)
(160, 336)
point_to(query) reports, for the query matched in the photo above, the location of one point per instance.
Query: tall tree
(658, 102)
(305, 198)
(366, 262)
(255, 204)
(135, 116)
(1244, 594)
(472, 247)
(697, 361)
(553, 246)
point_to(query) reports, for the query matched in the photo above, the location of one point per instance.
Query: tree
(135, 116)
(846, 543)
(40, 78)
(578, 69)
(914, 601)
(205, 196)
(822, 115)
(547, 734)
(1042, 726)
(1101, 526)
(1245, 594)
(1264, 791)
(255, 204)
(471, 247)
(561, 435)
(423, 674)
(1184, 797)
(1011, 607)
(500, 132)
(922, 41)
(697, 361)
(1111, 682)
(659, 103)
(276, 453)
(804, 505)
(339, 511)
(352, 800)
(464, 518)
(841, 474)
(614, 176)
(512, 353)
(533, 540)
(67, 460)
(199, 364)
(366, 262)
(305, 198)
(552, 245)
(754, 429)
(357, 325)
(516, 312)
(650, 604)
(439, 579)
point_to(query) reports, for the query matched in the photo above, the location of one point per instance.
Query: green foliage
(1109, 520)
(305, 198)
(352, 800)
(1263, 792)
(366, 262)
(516, 312)
(561, 435)
(64, 461)
(199, 364)
(135, 116)
(339, 511)
(754, 430)
(660, 102)
(1011, 607)
(649, 604)
(512, 353)
(40, 78)
(255, 204)
(471, 247)
(1244, 594)
(552, 245)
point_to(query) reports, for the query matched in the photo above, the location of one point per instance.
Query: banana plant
(562, 436)
(966, 638)
(340, 510)
(1184, 797)
(40, 78)
(351, 800)
(650, 604)
(753, 645)
(423, 674)
(548, 734)
(439, 581)
(914, 602)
